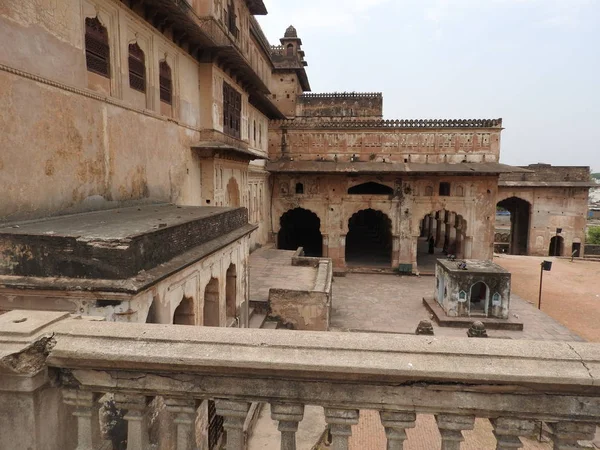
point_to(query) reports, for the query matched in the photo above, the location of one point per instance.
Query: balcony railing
(514, 384)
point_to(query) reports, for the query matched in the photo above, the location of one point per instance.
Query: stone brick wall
(341, 105)
(547, 172)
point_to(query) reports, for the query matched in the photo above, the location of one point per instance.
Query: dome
(290, 32)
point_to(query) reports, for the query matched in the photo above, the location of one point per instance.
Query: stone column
(395, 251)
(451, 427)
(185, 417)
(137, 420)
(288, 416)
(234, 414)
(507, 432)
(340, 423)
(566, 434)
(440, 231)
(87, 414)
(395, 424)
(325, 246)
(432, 226)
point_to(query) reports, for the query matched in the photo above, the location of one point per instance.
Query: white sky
(535, 63)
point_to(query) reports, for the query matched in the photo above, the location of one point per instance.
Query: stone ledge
(112, 244)
(465, 322)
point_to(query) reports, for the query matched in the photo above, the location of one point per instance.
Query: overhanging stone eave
(210, 149)
(132, 285)
(574, 184)
(462, 169)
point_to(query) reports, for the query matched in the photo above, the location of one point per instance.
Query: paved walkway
(388, 303)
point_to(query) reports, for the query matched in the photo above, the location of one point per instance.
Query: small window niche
(166, 89)
(299, 188)
(97, 55)
(462, 296)
(428, 191)
(496, 299)
(137, 68)
(444, 189)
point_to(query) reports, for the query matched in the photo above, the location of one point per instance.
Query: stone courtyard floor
(389, 303)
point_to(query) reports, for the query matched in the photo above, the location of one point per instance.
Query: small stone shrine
(472, 288)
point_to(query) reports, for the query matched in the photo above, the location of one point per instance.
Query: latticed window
(137, 68)
(166, 83)
(97, 51)
(232, 110)
(231, 19)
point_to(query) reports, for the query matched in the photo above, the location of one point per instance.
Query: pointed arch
(369, 239)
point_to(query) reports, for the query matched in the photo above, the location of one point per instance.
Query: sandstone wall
(307, 140)
(552, 208)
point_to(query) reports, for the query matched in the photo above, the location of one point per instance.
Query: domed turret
(291, 32)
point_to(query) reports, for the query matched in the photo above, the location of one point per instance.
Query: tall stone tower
(289, 75)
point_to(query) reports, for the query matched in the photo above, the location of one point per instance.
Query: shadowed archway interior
(369, 239)
(300, 228)
(370, 188)
(519, 210)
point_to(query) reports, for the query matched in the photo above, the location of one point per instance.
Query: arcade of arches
(441, 233)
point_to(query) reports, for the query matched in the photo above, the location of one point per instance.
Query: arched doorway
(300, 228)
(184, 313)
(211, 304)
(518, 211)
(478, 299)
(557, 244)
(233, 193)
(231, 292)
(369, 239)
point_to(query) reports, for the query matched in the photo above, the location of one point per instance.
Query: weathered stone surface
(113, 244)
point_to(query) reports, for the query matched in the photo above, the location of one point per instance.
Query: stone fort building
(148, 146)
(187, 106)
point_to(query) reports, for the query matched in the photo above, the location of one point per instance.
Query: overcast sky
(535, 63)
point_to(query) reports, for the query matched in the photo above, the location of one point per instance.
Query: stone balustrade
(514, 384)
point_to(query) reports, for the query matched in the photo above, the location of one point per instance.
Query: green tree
(593, 236)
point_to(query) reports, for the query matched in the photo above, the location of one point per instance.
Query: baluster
(507, 432)
(395, 424)
(451, 427)
(185, 416)
(137, 420)
(340, 423)
(288, 416)
(566, 434)
(87, 413)
(234, 414)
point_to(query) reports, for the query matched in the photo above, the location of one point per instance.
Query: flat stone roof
(473, 266)
(112, 244)
(115, 224)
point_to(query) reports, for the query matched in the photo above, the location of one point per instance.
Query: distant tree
(593, 236)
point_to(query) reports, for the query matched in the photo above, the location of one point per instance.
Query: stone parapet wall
(514, 384)
(549, 173)
(352, 104)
